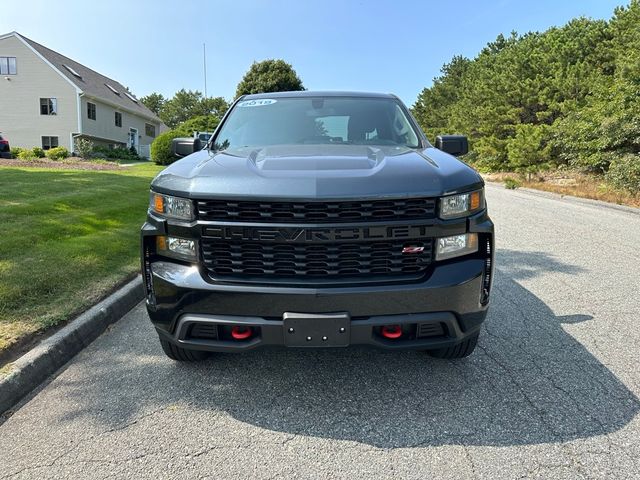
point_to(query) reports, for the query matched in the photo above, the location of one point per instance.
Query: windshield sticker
(257, 103)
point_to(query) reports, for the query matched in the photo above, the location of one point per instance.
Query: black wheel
(182, 354)
(459, 350)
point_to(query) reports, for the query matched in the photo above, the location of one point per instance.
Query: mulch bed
(72, 163)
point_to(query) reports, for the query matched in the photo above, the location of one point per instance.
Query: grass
(511, 183)
(68, 238)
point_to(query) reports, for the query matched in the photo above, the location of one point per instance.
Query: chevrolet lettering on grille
(303, 235)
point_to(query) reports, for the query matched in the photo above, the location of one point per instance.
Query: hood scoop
(317, 159)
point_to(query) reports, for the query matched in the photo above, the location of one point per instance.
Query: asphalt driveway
(551, 392)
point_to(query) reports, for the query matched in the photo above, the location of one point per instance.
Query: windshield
(317, 120)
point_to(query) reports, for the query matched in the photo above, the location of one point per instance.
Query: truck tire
(459, 350)
(182, 354)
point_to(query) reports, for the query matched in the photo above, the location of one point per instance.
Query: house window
(91, 111)
(8, 66)
(48, 106)
(149, 130)
(49, 142)
(118, 119)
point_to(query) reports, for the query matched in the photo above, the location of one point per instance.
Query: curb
(571, 198)
(30, 370)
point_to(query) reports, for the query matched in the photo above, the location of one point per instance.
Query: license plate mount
(316, 329)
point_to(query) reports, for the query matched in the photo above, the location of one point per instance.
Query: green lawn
(68, 237)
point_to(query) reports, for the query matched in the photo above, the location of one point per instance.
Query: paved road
(552, 392)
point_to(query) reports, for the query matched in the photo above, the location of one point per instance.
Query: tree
(186, 104)
(269, 76)
(534, 99)
(433, 107)
(216, 106)
(201, 123)
(154, 102)
(528, 149)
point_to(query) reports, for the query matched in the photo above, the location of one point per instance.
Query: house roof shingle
(91, 82)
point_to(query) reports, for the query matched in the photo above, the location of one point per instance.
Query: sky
(395, 46)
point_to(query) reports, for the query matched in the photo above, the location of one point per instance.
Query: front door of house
(133, 138)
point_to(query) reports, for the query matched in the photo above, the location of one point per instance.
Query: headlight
(174, 247)
(171, 207)
(456, 206)
(456, 246)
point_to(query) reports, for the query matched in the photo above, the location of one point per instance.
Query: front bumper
(447, 304)
(450, 302)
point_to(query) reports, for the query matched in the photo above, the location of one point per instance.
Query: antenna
(204, 61)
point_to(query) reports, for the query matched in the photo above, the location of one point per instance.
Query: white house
(48, 100)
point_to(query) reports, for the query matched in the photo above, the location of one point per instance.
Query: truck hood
(317, 171)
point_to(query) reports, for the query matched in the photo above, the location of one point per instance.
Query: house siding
(20, 118)
(103, 129)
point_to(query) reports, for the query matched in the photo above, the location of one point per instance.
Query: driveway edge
(570, 198)
(30, 370)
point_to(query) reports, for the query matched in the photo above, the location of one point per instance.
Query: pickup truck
(318, 219)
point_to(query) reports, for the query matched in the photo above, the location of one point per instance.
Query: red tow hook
(240, 333)
(391, 331)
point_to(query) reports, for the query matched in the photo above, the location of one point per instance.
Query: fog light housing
(175, 247)
(456, 246)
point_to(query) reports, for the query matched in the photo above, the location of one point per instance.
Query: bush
(57, 153)
(38, 152)
(161, 147)
(83, 147)
(15, 152)
(511, 183)
(26, 154)
(118, 153)
(624, 173)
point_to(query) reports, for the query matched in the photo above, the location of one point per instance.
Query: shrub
(511, 183)
(161, 147)
(624, 173)
(15, 152)
(83, 147)
(26, 154)
(38, 152)
(57, 153)
(118, 153)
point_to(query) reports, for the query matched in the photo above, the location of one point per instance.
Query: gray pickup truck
(315, 219)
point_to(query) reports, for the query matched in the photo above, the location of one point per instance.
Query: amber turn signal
(158, 203)
(474, 201)
(161, 243)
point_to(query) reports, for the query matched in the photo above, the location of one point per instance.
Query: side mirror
(455, 145)
(181, 147)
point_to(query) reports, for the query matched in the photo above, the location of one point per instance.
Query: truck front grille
(317, 212)
(224, 258)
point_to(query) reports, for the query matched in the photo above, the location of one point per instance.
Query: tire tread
(459, 350)
(182, 354)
